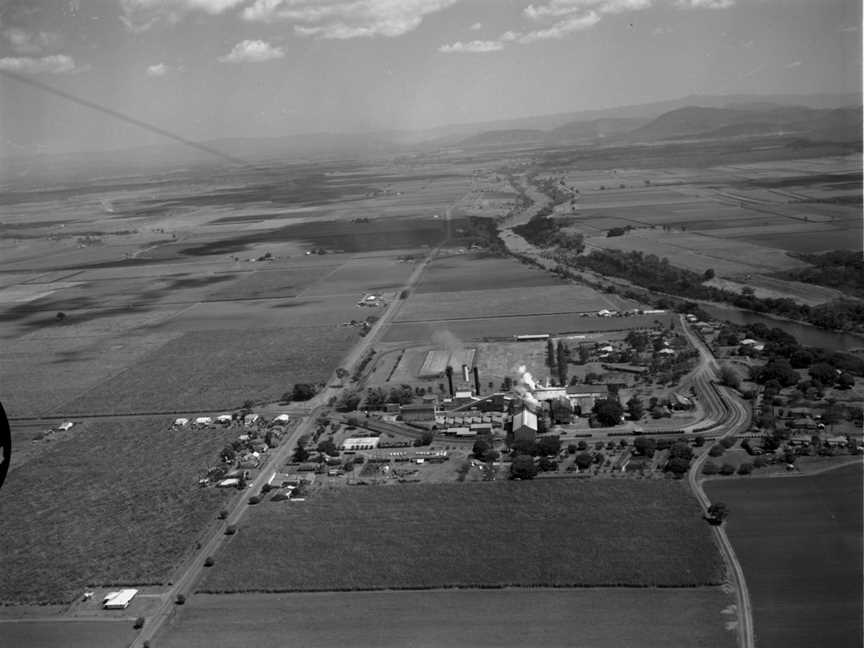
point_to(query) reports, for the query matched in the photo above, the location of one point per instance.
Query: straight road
(190, 573)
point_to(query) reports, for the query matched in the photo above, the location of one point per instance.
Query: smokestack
(476, 380)
(450, 380)
(465, 375)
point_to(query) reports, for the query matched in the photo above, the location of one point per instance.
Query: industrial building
(525, 425)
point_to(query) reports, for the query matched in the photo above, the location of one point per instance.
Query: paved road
(190, 572)
(735, 420)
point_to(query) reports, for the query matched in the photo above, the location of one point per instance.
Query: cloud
(344, 19)
(54, 64)
(476, 26)
(705, 4)
(472, 47)
(792, 65)
(848, 28)
(140, 15)
(558, 8)
(157, 70)
(252, 51)
(24, 42)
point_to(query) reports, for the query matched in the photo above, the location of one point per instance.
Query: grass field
(555, 533)
(114, 503)
(219, 369)
(478, 272)
(601, 618)
(799, 540)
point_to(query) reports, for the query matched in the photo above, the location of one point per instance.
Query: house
(224, 419)
(282, 418)
(251, 419)
(65, 426)
(203, 420)
(681, 402)
(836, 441)
(181, 422)
(525, 425)
(119, 600)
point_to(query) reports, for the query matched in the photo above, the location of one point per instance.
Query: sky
(208, 69)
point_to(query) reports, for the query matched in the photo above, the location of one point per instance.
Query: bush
(181, 599)
(745, 468)
(209, 561)
(223, 514)
(727, 442)
(254, 499)
(710, 468)
(231, 529)
(760, 462)
(716, 451)
(727, 469)
(139, 623)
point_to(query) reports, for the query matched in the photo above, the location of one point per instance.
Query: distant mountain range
(826, 117)
(690, 122)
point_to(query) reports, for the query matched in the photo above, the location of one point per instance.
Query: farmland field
(68, 634)
(477, 272)
(115, 502)
(601, 618)
(480, 328)
(799, 541)
(219, 369)
(553, 533)
(505, 301)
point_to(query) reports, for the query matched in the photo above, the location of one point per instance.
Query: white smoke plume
(524, 386)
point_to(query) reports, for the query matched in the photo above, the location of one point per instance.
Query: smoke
(524, 386)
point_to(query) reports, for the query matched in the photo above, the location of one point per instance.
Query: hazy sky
(237, 68)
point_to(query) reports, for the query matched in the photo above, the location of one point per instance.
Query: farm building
(203, 420)
(282, 418)
(119, 600)
(421, 412)
(836, 442)
(525, 425)
(360, 443)
(65, 426)
(531, 337)
(181, 422)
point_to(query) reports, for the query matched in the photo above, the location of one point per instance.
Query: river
(806, 334)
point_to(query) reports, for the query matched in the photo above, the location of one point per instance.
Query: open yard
(799, 541)
(601, 618)
(115, 502)
(552, 533)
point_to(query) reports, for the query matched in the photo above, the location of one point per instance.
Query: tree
(778, 369)
(716, 450)
(348, 401)
(645, 446)
(524, 447)
(523, 467)
(638, 340)
(375, 398)
(562, 359)
(341, 373)
(727, 469)
(745, 468)
(548, 445)
(729, 377)
(550, 354)
(699, 441)
(547, 464)
(61, 316)
(583, 461)
(823, 372)
(403, 394)
(328, 447)
(681, 451)
(678, 466)
(845, 381)
(608, 412)
(635, 408)
(481, 447)
(710, 468)
(718, 512)
(301, 454)
(302, 392)
(708, 275)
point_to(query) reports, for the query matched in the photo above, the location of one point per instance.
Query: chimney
(476, 381)
(465, 375)
(450, 380)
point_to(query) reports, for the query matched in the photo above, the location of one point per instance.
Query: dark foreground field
(600, 618)
(552, 533)
(115, 503)
(76, 633)
(799, 541)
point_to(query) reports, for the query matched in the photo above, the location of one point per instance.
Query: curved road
(737, 419)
